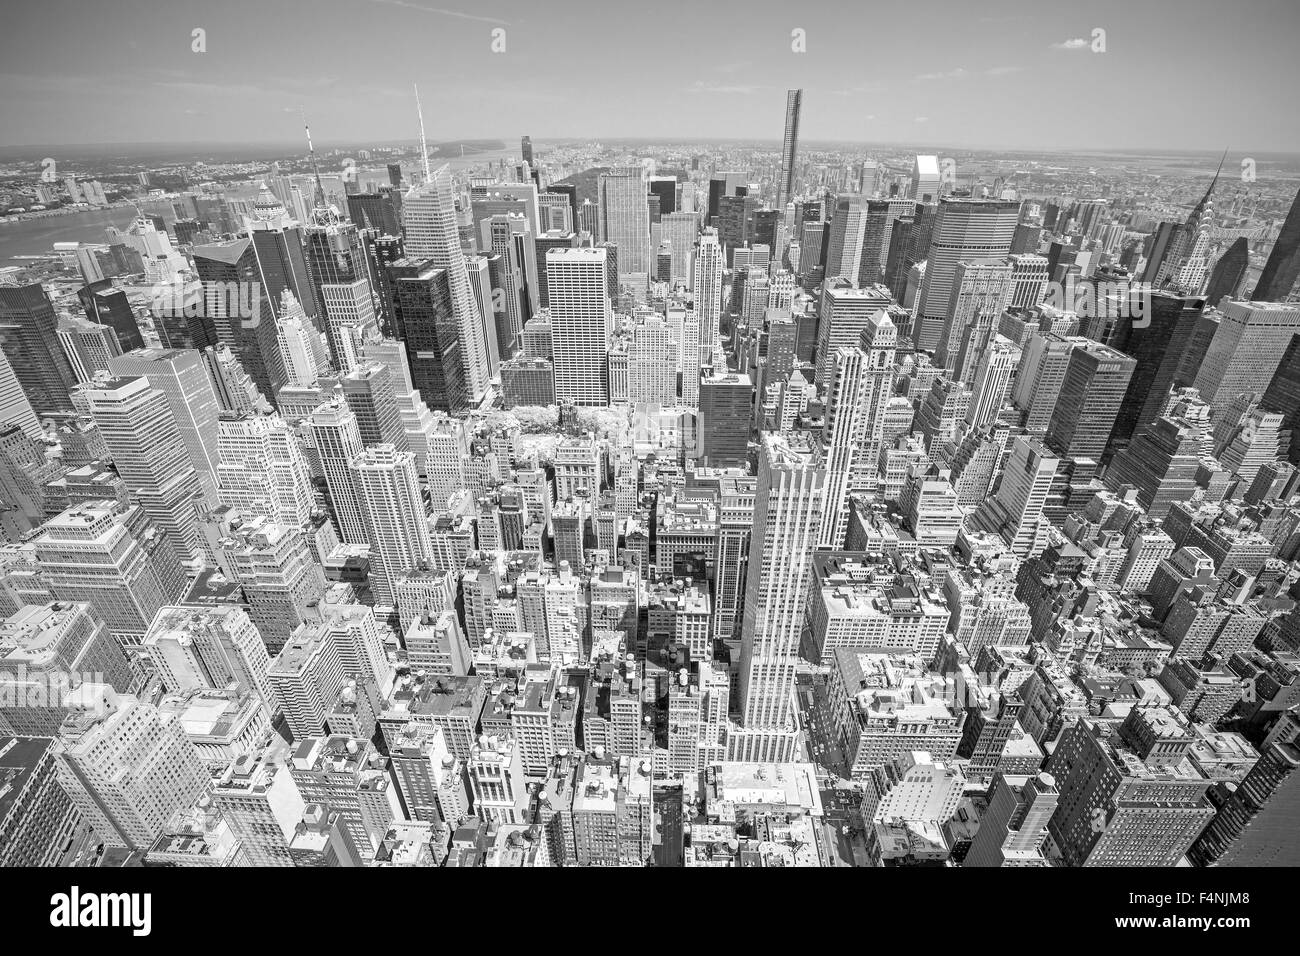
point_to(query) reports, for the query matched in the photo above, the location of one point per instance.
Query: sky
(1174, 74)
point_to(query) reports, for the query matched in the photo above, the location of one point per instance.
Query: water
(34, 237)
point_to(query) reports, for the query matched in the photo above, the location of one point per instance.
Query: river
(35, 237)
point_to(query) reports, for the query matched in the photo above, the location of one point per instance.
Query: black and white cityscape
(641, 435)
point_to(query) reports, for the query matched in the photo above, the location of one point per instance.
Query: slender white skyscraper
(879, 341)
(860, 388)
(992, 381)
(708, 290)
(429, 224)
(789, 147)
(789, 505)
(389, 491)
(926, 179)
(580, 324)
(848, 234)
(843, 409)
(625, 218)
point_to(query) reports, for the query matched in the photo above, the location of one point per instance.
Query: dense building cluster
(730, 510)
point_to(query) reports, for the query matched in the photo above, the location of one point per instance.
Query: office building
(789, 506)
(580, 324)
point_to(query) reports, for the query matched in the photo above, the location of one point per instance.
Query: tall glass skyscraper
(789, 147)
(1278, 279)
(429, 221)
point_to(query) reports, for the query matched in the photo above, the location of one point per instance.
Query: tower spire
(1198, 217)
(424, 145)
(311, 152)
(1220, 169)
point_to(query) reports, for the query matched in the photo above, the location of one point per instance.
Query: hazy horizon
(999, 76)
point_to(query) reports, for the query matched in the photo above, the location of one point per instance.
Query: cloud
(731, 67)
(699, 86)
(439, 11)
(923, 119)
(950, 74)
(860, 88)
(963, 72)
(1074, 43)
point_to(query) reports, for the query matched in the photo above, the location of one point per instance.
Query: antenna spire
(424, 145)
(311, 152)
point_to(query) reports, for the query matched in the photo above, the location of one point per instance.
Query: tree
(604, 422)
(535, 418)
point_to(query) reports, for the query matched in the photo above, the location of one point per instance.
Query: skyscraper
(848, 229)
(114, 561)
(1229, 272)
(1253, 825)
(1016, 511)
(262, 469)
(429, 222)
(580, 324)
(279, 574)
(426, 320)
(981, 291)
(338, 443)
(1124, 801)
(789, 148)
(1096, 379)
(1181, 331)
(1278, 278)
(238, 312)
(388, 489)
(30, 339)
(707, 286)
(1169, 321)
(370, 393)
(679, 230)
(991, 381)
(1245, 351)
(964, 229)
(181, 376)
(926, 180)
(725, 413)
(149, 451)
(859, 392)
(844, 313)
(789, 506)
(625, 219)
(14, 406)
(209, 648)
(126, 766)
